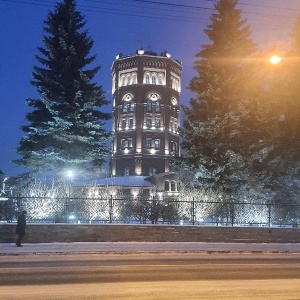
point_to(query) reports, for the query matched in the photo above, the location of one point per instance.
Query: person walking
(20, 230)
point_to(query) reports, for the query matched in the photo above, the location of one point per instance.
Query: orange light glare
(275, 59)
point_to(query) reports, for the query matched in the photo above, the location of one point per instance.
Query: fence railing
(147, 210)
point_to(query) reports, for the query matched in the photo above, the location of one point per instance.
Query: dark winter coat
(21, 224)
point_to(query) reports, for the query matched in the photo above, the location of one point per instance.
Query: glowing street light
(275, 59)
(70, 174)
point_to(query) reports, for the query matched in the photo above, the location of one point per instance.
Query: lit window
(173, 186)
(148, 143)
(130, 122)
(160, 79)
(123, 123)
(167, 186)
(157, 144)
(173, 146)
(130, 144)
(157, 122)
(123, 144)
(149, 105)
(175, 127)
(131, 106)
(147, 78)
(128, 80)
(134, 78)
(125, 107)
(157, 106)
(148, 122)
(153, 78)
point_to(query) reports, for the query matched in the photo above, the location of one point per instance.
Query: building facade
(146, 90)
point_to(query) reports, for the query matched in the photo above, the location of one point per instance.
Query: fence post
(193, 211)
(67, 209)
(269, 213)
(232, 212)
(110, 203)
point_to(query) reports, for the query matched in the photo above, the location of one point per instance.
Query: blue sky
(119, 26)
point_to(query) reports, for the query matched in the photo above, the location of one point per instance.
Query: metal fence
(145, 210)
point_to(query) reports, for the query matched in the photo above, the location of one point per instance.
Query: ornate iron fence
(145, 210)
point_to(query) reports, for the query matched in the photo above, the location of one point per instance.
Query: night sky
(118, 26)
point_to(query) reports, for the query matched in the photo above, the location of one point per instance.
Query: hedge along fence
(147, 210)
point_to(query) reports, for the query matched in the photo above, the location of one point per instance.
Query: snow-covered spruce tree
(66, 127)
(220, 132)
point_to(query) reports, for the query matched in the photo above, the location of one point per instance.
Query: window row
(152, 122)
(127, 123)
(128, 79)
(154, 78)
(153, 144)
(128, 106)
(150, 106)
(171, 186)
(126, 144)
(150, 144)
(152, 171)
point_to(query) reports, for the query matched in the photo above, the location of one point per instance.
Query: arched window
(173, 83)
(160, 79)
(147, 78)
(123, 80)
(128, 79)
(177, 85)
(153, 79)
(173, 147)
(167, 186)
(173, 186)
(134, 78)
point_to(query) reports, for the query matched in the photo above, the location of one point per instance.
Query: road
(151, 276)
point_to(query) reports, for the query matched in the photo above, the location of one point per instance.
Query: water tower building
(145, 89)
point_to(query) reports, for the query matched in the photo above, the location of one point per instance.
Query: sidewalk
(136, 247)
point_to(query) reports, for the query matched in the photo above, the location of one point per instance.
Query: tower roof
(142, 53)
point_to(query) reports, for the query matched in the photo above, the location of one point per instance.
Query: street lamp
(275, 59)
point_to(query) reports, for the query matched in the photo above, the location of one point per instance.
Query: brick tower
(146, 90)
